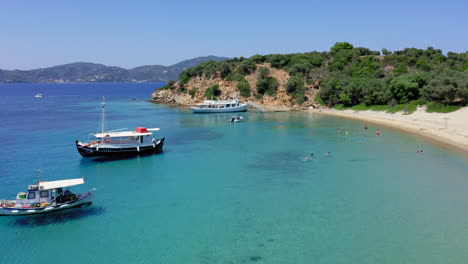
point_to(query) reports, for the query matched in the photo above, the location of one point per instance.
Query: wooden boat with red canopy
(136, 142)
(120, 143)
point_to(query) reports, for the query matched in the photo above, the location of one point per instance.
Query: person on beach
(378, 132)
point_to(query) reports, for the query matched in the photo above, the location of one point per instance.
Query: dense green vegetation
(351, 76)
(266, 84)
(213, 92)
(193, 91)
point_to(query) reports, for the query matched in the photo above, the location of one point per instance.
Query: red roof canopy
(141, 129)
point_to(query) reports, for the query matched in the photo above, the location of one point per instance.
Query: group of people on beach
(338, 131)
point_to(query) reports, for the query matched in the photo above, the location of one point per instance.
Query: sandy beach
(450, 128)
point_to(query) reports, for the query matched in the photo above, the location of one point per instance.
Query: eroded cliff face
(281, 101)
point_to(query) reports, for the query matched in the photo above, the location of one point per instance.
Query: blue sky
(36, 34)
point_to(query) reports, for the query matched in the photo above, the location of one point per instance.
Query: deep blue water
(227, 193)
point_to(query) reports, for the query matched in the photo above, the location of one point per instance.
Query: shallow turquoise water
(231, 193)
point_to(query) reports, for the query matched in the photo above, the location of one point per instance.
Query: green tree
(263, 72)
(404, 89)
(213, 92)
(339, 46)
(295, 88)
(244, 88)
(448, 87)
(386, 52)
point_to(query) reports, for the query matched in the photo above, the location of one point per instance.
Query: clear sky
(36, 34)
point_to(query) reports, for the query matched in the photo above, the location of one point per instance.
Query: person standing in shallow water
(365, 126)
(338, 131)
(378, 132)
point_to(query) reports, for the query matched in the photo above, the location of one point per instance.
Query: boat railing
(111, 142)
(14, 204)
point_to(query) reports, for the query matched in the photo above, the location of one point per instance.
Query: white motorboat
(236, 119)
(39, 96)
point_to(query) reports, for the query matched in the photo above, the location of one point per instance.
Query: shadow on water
(57, 217)
(288, 162)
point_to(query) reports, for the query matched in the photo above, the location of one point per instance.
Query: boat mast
(38, 176)
(103, 106)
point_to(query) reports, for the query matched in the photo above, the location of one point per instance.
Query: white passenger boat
(220, 106)
(46, 197)
(120, 143)
(39, 96)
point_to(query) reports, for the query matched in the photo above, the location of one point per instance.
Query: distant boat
(236, 119)
(220, 106)
(46, 197)
(39, 96)
(120, 143)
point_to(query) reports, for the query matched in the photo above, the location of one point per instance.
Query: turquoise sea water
(227, 193)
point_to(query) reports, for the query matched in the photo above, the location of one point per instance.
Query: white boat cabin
(140, 136)
(44, 193)
(219, 104)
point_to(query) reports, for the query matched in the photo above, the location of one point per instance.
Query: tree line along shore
(345, 77)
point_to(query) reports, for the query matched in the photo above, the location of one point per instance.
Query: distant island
(91, 72)
(344, 77)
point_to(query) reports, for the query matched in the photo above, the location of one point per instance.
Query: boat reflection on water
(58, 217)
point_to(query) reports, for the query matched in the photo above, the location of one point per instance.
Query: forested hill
(91, 72)
(345, 75)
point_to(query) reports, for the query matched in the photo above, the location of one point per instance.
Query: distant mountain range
(92, 72)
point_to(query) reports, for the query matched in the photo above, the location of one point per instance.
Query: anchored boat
(119, 143)
(220, 106)
(45, 197)
(236, 119)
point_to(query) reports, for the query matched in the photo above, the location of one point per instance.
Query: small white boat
(236, 119)
(120, 143)
(46, 197)
(220, 106)
(39, 96)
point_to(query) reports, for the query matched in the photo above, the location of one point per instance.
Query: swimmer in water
(308, 158)
(311, 154)
(328, 154)
(338, 131)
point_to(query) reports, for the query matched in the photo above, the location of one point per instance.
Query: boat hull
(99, 151)
(203, 110)
(83, 199)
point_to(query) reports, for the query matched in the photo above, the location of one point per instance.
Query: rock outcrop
(194, 91)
